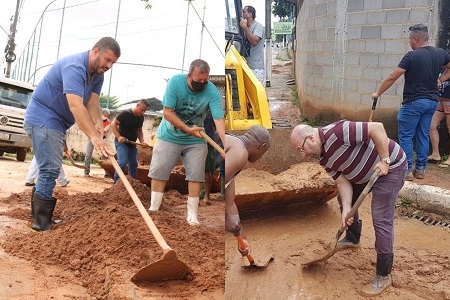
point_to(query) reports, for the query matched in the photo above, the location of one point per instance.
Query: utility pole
(10, 56)
(268, 42)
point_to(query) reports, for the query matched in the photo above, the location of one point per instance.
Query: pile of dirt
(103, 240)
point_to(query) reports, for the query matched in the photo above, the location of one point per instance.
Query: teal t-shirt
(190, 107)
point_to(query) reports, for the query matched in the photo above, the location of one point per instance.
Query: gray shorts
(166, 155)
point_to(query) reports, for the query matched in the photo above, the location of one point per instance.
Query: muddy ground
(103, 241)
(295, 235)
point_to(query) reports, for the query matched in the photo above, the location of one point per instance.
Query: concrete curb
(429, 198)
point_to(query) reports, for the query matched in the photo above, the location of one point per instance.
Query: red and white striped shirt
(348, 150)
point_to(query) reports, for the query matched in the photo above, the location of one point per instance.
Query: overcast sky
(153, 37)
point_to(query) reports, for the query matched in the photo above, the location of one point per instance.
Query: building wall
(345, 48)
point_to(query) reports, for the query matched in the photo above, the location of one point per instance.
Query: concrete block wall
(345, 48)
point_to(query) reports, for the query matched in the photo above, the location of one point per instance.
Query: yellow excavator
(245, 98)
(246, 104)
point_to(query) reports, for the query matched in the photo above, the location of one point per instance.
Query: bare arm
(236, 157)
(252, 38)
(388, 81)
(93, 108)
(141, 135)
(346, 193)
(446, 74)
(115, 130)
(378, 135)
(85, 123)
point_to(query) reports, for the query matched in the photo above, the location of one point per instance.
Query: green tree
(282, 9)
(113, 102)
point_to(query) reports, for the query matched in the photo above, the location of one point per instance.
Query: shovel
(333, 246)
(74, 163)
(168, 267)
(372, 112)
(136, 143)
(252, 265)
(212, 143)
(241, 242)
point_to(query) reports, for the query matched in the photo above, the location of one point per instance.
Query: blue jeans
(88, 156)
(126, 156)
(48, 147)
(414, 120)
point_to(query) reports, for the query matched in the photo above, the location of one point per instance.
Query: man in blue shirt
(185, 103)
(68, 93)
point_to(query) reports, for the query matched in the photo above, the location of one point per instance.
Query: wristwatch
(386, 160)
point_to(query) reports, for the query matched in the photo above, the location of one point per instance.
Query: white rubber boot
(155, 201)
(192, 210)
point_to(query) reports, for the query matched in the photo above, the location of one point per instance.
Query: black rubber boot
(43, 212)
(31, 217)
(352, 236)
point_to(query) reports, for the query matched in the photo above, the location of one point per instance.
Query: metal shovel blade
(72, 161)
(332, 250)
(166, 268)
(254, 266)
(333, 247)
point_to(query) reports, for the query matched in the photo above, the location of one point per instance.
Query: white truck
(14, 98)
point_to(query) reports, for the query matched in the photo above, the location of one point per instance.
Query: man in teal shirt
(185, 103)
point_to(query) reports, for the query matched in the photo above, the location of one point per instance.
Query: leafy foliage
(113, 102)
(282, 8)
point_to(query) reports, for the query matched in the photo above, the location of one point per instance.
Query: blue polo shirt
(190, 107)
(69, 75)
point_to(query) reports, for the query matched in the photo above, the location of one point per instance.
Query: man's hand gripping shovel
(241, 242)
(333, 246)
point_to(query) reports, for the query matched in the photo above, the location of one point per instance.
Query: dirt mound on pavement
(103, 240)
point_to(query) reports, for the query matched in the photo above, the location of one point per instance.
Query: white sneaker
(65, 183)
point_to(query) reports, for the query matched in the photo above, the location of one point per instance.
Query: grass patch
(405, 201)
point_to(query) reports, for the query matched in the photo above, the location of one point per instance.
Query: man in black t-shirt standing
(126, 127)
(421, 68)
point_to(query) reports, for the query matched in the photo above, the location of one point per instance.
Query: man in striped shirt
(350, 152)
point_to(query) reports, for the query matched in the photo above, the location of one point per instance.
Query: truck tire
(21, 154)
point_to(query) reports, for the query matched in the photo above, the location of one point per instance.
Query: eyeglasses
(302, 148)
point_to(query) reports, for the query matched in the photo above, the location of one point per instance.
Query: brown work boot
(377, 286)
(409, 176)
(419, 174)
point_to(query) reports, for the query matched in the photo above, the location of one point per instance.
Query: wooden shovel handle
(136, 143)
(363, 194)
(212, 143)
(372, 112)
(243, 245)
(148, 220)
